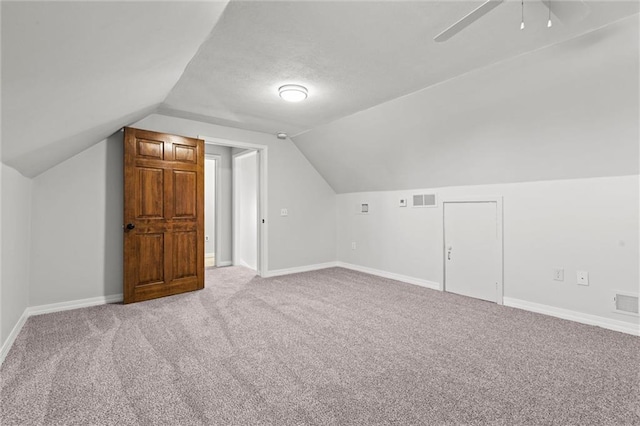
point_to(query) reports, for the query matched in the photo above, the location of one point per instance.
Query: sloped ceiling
(353, 55)
(75, 72)
(567, 111)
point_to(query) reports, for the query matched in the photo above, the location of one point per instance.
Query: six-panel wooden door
(163, 215)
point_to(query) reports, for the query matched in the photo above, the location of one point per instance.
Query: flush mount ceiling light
(293, 92)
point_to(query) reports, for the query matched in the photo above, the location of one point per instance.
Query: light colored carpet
(332, 347)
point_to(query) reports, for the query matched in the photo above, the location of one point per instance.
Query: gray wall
(76, 249)
(566, 111)
(224, 251)
(16, 237)
(587, 224)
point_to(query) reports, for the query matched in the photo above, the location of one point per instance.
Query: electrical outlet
(582, 277)
(353, 246)
(558, 274)
(284, 212)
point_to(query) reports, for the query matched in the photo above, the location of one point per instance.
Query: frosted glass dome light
(293, 92)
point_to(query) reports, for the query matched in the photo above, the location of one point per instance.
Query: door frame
(234, 201)
(262, 152)
(499, 225)
(217, 240)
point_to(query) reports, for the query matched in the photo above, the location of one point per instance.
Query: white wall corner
(391, 275)
(608, 323)
(298, 269)
(11, 338)
(53, 307)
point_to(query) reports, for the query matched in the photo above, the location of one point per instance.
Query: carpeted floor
(333, 347)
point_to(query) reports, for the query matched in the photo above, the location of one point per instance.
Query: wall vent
(363, 208)
(424, 200)
(625, 303)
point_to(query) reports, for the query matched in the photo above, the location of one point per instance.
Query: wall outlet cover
(284, 212)
(582, 277)
(558, 274)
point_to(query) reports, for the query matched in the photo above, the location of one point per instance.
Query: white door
(245, 225)
(210, 164)
(472, 249)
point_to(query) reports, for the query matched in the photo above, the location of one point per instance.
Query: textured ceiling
(353, 55)
(74, 72)
(567, 111)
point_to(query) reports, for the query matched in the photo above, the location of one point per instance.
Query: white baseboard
(608, 323)
(243, 264)
(384, 274)
(298, 269)
(53, 307)
(12, 336)
(209, 255)
(74, 304)
(223, 263)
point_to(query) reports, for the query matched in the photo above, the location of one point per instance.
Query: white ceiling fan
(565, 11)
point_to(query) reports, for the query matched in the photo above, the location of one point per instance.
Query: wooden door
(163, 215)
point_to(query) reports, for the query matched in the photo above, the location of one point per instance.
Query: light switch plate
(582, 277)
(403, 202)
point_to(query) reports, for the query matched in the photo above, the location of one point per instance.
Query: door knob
(130, 226)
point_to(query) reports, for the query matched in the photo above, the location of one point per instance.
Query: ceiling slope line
(200, 47)
(38, 161)
(484, 67)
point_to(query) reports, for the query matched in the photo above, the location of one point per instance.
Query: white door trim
(478, 199)
(263, 247)
(217, 243)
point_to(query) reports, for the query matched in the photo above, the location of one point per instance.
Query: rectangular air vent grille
(424, 200)
(625, 303)
(363, 208)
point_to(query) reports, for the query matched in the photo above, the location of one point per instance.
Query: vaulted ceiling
(75, 72)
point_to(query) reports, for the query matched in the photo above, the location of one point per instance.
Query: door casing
(263, 220)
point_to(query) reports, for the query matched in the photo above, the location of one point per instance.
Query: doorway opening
(240, 231)
(472, 248)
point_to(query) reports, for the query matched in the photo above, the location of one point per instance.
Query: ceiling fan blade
(463, 23)
(568, 12)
